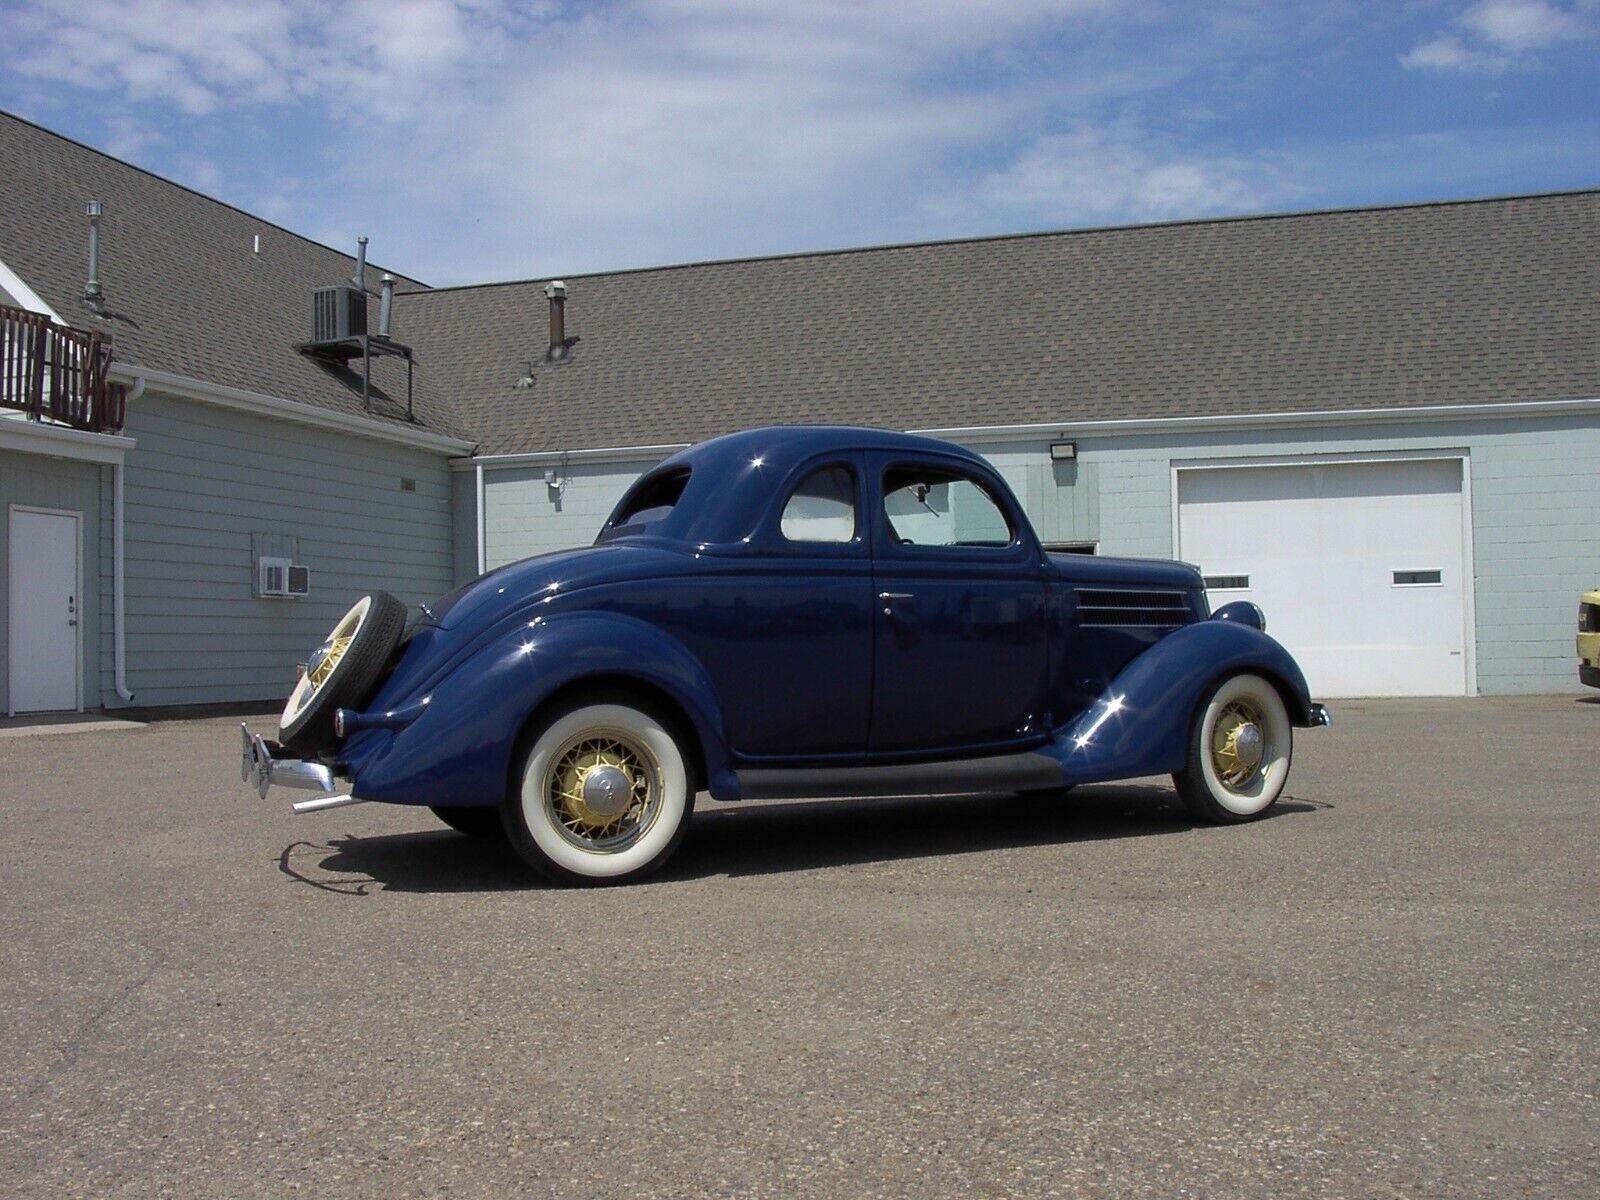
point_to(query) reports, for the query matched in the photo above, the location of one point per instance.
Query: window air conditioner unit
(281, 577)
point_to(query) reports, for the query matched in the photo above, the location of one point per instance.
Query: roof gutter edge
(1503, 410)
(534, 458)
(272, 406)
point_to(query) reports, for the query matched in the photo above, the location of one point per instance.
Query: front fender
(458, 751)
(1140, 723)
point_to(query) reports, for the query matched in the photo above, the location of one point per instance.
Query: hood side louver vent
(1145, 609)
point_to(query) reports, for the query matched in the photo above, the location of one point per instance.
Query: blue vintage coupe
(787, 612)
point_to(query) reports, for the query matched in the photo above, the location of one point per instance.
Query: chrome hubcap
(607, 791)
(603, 790)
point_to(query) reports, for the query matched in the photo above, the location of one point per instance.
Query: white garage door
(1358, 566)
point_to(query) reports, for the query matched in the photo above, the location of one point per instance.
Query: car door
(960, 639)
(787, 632)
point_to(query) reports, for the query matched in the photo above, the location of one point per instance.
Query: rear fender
(1140, 724)
(459, 750)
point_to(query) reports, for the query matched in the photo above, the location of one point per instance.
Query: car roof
(733, 477)
(795, 442)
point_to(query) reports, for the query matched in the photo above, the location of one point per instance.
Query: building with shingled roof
(1381, 424)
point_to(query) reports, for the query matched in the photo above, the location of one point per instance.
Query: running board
(1000, 773)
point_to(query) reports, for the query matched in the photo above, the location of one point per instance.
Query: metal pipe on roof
(386, 306)
(360, 277)
(91, 289)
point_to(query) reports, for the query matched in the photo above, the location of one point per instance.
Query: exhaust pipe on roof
(386, 305)
(556, 291)
(91, 290)
(360, 277)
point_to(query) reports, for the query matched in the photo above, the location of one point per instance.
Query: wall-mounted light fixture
(1063, 451)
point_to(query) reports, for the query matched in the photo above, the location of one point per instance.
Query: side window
(932, 506)
(822, 508)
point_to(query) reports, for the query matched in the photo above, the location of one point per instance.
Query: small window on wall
(1418, 578)
(822, 508)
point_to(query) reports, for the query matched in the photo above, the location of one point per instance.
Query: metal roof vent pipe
(386, 305)
(360, 277)
(557, 293)
(92, 293)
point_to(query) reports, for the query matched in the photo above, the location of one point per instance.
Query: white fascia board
(11, 283)
(271, 406)
(542, 458)
(61, 441)
(1507, 410)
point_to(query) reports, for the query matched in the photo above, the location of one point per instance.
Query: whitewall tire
(1240, 746)
(343, 672)
(605, 796)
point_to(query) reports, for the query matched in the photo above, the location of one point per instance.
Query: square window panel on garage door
(1359, 566)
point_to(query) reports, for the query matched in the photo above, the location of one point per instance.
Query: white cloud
(499, 138)
(1498, 35)
(1118, 173)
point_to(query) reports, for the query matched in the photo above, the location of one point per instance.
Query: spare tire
(343, 672)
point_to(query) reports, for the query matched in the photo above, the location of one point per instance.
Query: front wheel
(1239, 749)
(605, 796)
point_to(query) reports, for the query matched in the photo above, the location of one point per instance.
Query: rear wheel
(1240, 745)
(474, 822)
(605, 796)
(342, 672)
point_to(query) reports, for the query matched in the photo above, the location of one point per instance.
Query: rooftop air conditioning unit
(338, 313)
(283, 578)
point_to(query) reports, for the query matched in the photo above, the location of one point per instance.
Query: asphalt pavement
(1388, 988)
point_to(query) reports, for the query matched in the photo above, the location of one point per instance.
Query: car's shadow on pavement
(772, 838)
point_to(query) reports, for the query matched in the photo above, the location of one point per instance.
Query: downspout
(119, 650)
(482, 541)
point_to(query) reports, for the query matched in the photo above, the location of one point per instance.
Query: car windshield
(651, 499)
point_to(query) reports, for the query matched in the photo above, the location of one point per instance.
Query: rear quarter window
(649, 503)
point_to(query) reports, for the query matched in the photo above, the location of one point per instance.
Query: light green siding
(464, 506)
(526, 515)
(206, 482)
(1534, 491)
(41, 482)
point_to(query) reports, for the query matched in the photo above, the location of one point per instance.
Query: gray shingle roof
(186, 293)
(1453, 303)
(1436, 304)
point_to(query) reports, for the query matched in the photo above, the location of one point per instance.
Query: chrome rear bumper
(264, 763)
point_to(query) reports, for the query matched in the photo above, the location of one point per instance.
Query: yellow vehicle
(1589, 639)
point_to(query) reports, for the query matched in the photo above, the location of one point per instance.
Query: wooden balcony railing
(55, 373)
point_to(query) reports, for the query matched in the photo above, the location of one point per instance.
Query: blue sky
(482, 140)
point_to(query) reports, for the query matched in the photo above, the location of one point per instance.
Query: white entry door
(45, 607)
(1359, 566)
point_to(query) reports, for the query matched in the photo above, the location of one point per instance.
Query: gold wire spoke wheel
(1238, 744)
(325, 659)
(603, 790)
